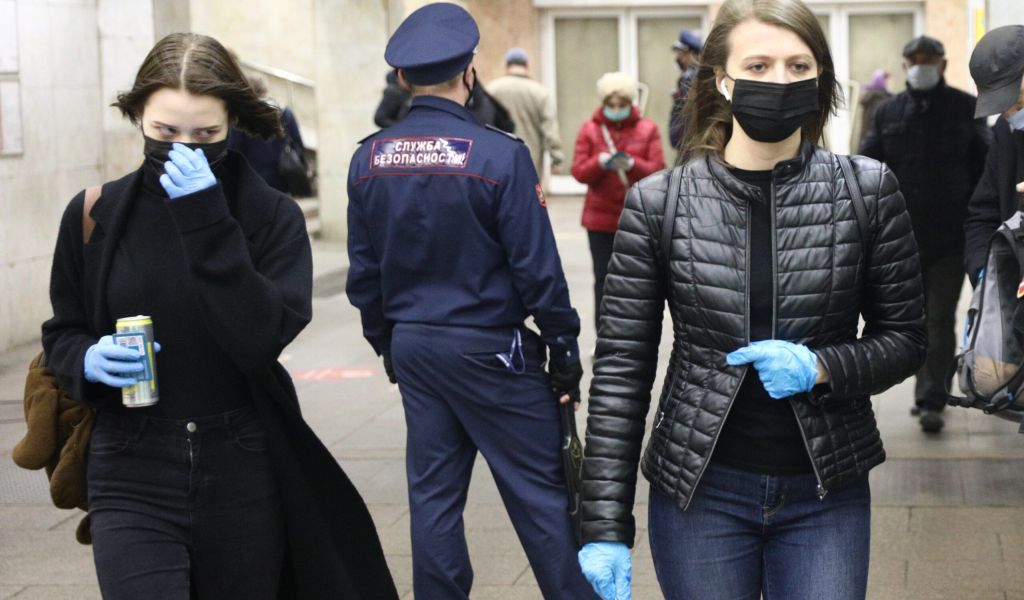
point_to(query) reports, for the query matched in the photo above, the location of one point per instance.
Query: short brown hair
(707, 114)
(201, 66)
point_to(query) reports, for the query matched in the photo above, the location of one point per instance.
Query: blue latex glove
(110, 364)
(609, 568)
(784, 368)
(187, 172)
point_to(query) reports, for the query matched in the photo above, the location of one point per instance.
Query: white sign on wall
(10, 117)
(8, 37)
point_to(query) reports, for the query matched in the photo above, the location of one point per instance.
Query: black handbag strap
(863, 224)
(671, 204)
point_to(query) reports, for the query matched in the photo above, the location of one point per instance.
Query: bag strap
(92, 194)
(863, 224)
(611, 148)
(671, 205)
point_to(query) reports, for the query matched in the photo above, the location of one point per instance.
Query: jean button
(191, 427)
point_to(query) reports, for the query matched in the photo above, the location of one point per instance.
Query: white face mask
(923, 77)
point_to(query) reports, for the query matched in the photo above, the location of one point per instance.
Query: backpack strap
(667, 223)
(92, 194)
(859, 207)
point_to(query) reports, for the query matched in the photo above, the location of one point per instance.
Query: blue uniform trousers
(459, 398)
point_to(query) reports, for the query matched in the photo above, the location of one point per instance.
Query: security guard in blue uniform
(450, 249)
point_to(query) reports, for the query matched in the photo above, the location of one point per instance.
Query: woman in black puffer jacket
(764, 432)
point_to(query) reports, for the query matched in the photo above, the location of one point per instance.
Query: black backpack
(988, 366)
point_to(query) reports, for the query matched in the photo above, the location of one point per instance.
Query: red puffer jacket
(635, 136)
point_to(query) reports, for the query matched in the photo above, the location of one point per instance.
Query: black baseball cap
(924, 45)
(997, 65)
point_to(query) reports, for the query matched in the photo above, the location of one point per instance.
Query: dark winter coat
(249, 257)
(637, 137)
(996, 198)
(822, 285)
(936, 149)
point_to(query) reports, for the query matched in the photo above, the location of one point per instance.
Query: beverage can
(136, 333)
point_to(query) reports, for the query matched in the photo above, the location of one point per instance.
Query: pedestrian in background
(451, 249)
(687, 49)
(264, 156)
(397, 99)
(532, 110)
(873, 93)
(930, 139)
(997, 66)
(394, 103)
(759, 456)
(219, 490)
(615, 148)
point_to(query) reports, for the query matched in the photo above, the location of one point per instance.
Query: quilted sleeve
(624, 372)
(894, 341)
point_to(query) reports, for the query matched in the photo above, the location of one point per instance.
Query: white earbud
(725, 91)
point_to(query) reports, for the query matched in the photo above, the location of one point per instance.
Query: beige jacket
(533, 112)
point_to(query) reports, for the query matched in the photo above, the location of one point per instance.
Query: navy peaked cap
(433, 44)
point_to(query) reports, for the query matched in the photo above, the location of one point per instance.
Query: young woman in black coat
(219, 490)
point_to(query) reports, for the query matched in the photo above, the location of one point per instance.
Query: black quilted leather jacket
(823, 281)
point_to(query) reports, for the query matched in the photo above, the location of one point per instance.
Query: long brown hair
(707, 114)
(201, 66)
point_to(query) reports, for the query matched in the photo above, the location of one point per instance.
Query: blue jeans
(747, 534)
(184, 509)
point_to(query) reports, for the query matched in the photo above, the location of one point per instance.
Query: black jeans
(601, 253)
(943, 279)
(184, 508)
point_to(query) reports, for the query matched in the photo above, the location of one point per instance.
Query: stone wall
(63, 149)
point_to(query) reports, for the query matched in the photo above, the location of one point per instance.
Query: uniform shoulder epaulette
(369, 136)
(505, 133)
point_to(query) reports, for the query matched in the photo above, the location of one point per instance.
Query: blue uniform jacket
(448, 226)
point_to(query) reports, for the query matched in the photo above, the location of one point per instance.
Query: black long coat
(251, 264)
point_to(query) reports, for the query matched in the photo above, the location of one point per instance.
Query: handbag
(57, 427)
(295, 170)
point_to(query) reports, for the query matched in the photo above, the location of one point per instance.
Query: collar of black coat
(442, 104)
(783, 171)
(236, 178)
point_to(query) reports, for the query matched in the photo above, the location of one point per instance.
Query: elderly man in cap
(997, 66)
(450, 250)
(929, 137)
(531, 108)
(687, 49)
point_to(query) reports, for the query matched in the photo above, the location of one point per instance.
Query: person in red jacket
(616, 148)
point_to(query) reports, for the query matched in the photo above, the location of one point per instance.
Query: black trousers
(943, 279)
(184, 509)
(601, 253)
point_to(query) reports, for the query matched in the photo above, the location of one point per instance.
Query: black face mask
(771, 112)
(471, 101)
(156, 151)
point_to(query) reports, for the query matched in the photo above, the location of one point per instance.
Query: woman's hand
(187, 172)
(113, 365)
(785, 368)
(609, 568)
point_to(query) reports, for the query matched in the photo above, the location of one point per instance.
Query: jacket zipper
(822, 492)
(739, 385)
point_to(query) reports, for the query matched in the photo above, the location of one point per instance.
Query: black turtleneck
(761, 434)
(149, 276)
